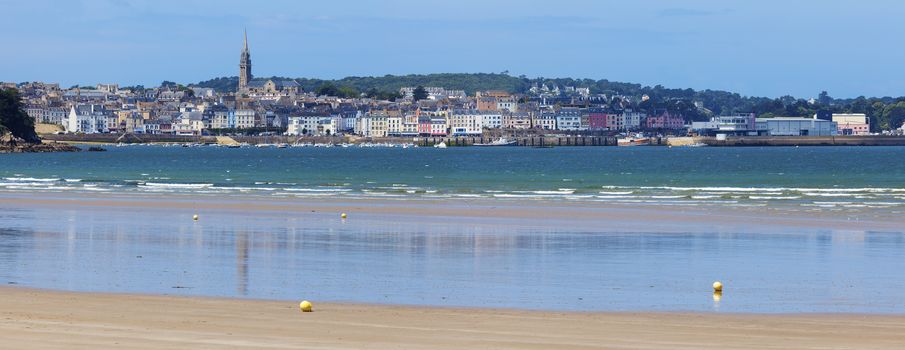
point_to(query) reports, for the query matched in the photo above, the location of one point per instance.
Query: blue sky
(763, 48)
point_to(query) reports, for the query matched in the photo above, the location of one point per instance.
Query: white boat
(498, 142)
(634, 141)
(440, 145)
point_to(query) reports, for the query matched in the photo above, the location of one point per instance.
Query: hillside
(886, 113)
(391, 83)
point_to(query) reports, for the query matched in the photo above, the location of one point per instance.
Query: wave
(554, 192)
(31, 179)
(176, 185)
(240, 188)
(293, 189)
(812, 194)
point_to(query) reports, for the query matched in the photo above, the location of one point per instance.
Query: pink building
(665, 120)
(599, 119)
(424, 126)
(852, 124)
(615, 122)
(596, 119)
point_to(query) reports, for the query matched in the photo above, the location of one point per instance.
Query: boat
(498, 142)
(634, 141)
(283, 145)
(440, 145)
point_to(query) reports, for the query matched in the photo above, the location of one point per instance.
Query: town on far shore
(272, 107)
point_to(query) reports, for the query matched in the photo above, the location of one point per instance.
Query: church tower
(245, 66)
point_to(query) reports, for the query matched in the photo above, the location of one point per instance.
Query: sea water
(832, 178)
(445, 261)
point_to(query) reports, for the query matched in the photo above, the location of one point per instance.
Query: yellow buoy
(195, 217)
(717, 286)
(343, 215)
(305, 306)
(717, 296)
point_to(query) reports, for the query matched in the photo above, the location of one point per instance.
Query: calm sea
(818, 177)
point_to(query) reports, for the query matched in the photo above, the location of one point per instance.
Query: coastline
(45, 147)
(663, 218)
(41, 319)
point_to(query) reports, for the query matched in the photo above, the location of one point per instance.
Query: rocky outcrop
(12, 144)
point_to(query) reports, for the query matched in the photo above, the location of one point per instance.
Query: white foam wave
(293, 189)
(616, 192)
(31, 179)
(174, 185)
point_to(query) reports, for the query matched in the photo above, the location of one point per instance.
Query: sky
(756, 48)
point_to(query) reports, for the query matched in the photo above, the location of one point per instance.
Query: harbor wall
(870, 140)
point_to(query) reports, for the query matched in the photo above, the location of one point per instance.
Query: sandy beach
(37, 319)
(48, 319)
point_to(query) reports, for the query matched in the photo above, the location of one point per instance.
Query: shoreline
(101, 320)
(544, 213)
(538, 140)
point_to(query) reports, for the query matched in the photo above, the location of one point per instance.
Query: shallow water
(450, 261)
(811, 178)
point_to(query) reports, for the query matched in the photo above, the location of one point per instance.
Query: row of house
(281, 105)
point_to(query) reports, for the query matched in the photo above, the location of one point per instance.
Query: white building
(317, 125)
(632, 120)
(88, 119)
(189, 123)
(245, 118)
(545, 120)
(507, 104)
(376, 126)
(223, 120)
(491, 120)
(782, 126)
(568, 118)
(466, 122)
(394, 125)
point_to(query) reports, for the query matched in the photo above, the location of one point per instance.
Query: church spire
(245, 65)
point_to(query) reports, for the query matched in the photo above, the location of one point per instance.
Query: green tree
(327, 89)
(13, 118)
(893, 116)
(420, 93)
(348, 92)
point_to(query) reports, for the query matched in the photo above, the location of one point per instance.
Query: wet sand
(574, 214)
(37, 319)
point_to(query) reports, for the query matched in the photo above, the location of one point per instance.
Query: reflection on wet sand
(389, 259)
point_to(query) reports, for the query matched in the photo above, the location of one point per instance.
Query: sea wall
(804, 141)
(127, 138)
